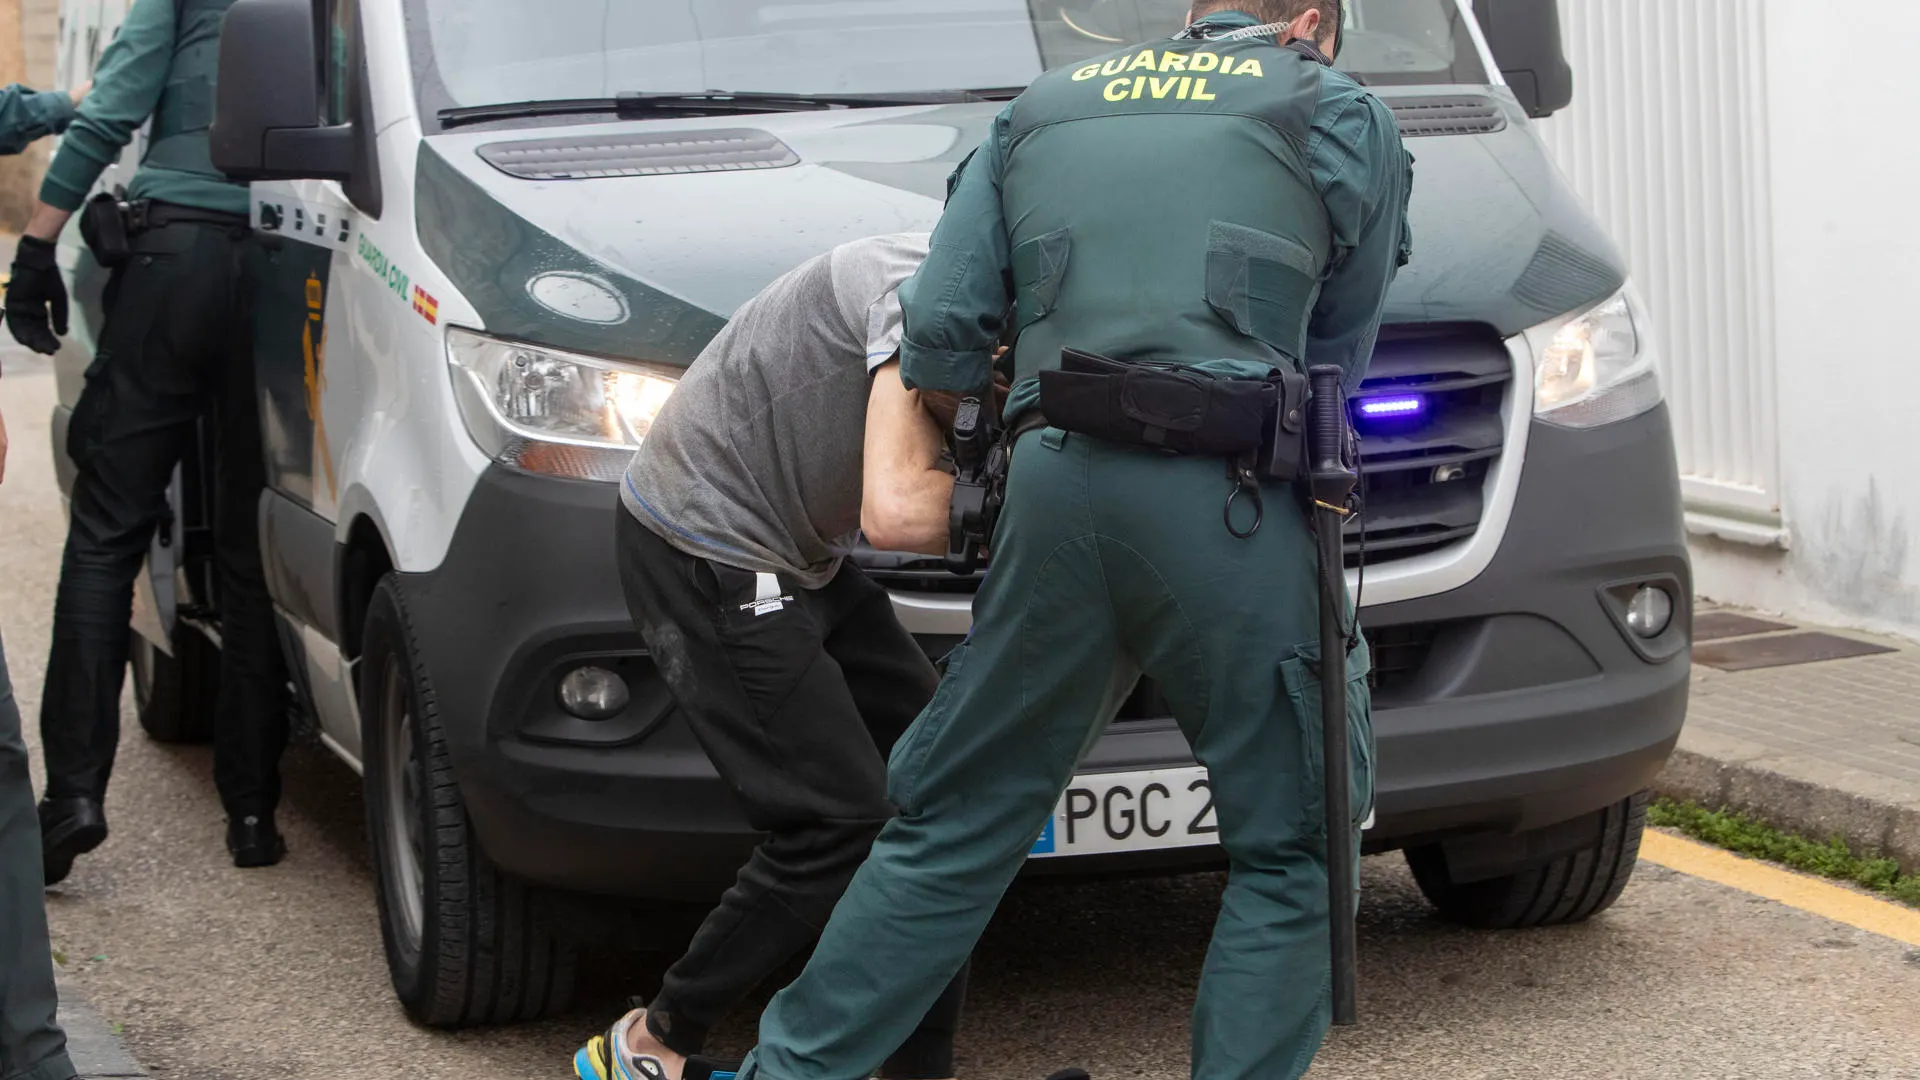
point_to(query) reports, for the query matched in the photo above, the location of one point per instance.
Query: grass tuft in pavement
(1745, 836)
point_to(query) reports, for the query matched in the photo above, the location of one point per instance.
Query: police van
(493, 234)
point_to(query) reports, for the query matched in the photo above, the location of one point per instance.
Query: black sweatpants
(176, 346)
(797, 700)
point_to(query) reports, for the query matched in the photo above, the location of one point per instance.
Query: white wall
(1781, 239)
(1847, 270)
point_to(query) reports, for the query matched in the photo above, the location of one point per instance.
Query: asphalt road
(218, 974)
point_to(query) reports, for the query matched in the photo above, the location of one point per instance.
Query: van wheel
(466, 944)
(1570, 889)
(174, 696)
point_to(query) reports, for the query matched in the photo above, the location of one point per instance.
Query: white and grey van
(493, 234)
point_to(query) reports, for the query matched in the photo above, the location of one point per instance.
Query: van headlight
(1595, 368)
(548, 411)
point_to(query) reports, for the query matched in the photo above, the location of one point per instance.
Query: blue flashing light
(1403, 405)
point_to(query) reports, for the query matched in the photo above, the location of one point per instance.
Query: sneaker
(605, 1057)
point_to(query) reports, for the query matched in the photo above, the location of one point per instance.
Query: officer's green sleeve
(126, 87)
(1365, 178)
(26, 116)
(954, 307)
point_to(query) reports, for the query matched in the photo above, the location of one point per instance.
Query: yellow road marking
(1808, 894)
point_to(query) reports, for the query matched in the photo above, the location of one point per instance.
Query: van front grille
(913, 573)
(1425, 474)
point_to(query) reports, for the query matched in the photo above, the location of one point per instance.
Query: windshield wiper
(651, 105)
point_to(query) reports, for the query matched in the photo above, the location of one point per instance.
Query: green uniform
(32, 1046)
(161, 64)
(175, 348)
(26, 116)
(1218, 202)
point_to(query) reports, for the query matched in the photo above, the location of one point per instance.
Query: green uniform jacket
(1185, 201)
(26, 115)
(161, 64)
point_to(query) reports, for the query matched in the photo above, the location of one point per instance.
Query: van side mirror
(266, 123)
(1525, 38)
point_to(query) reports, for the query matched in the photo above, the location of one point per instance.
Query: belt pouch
(103, 225)
(1284, 456)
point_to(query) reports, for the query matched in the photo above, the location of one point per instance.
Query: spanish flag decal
(426, 305)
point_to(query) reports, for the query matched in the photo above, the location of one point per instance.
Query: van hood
(639, 238)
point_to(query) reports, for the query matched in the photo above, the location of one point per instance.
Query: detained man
(785, 659)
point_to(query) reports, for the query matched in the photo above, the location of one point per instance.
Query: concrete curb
(1877, 816)
(97, 1053)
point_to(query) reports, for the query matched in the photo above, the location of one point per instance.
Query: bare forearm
(905, 493)
(47, 221)
(913, 515)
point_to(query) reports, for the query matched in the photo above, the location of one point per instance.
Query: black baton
(1333, 481)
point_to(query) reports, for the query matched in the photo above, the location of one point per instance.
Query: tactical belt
(1259, 426)
(1181, 410)
(108, 225)
(154, 214)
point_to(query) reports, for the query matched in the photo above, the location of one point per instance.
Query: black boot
(254, 841)
(69, 828)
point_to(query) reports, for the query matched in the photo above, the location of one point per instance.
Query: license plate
(1133, 811)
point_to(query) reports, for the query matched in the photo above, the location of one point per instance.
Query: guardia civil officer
(175, 347)
(32, 1046)
(1218, 199)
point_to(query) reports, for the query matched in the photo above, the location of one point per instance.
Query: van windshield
(481, 52)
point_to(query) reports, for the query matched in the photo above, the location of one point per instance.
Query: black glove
(35, 294)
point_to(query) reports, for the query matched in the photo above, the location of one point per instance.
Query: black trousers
(176, 346)
(797, 702)
(31, 1044)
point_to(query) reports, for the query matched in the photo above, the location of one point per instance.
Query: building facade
(1751, 157)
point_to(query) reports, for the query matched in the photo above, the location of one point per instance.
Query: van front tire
(466, 944)
(1569, 889)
